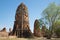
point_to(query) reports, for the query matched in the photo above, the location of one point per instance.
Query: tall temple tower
(21, 23)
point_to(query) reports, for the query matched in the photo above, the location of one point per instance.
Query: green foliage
(57, 32)
(48, 33)
(56, 25)
(51, 17)
(37, 24)
(57, 28)
(51, 14)
(41, 22)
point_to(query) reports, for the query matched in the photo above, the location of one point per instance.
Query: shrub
(58, 32)
(48, 34)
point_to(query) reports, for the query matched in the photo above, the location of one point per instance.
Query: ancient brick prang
(37, 31)
(21, 23)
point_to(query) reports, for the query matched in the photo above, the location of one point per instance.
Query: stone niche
(21, 23)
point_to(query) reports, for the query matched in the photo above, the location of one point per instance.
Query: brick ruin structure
(3, 30)
(43, 31)
(37, 31)
(21, 23)
(3, 33)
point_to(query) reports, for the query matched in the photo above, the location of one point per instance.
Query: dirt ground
(41, 38)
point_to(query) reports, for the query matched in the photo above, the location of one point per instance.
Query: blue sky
(8, 11)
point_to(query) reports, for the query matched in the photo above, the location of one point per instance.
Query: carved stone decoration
(21, 23)
(37, 31)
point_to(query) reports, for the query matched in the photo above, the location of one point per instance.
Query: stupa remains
(37, 31)
(21, 24)
(3, 33)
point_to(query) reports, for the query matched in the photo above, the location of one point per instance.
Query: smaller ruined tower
(37, 31)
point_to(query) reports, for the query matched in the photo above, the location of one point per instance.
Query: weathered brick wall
(3, 34)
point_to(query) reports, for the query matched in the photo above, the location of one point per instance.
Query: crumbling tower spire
(21, 24)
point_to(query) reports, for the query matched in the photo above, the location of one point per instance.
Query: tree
(50, 15)
(57, 28)
(41, 23)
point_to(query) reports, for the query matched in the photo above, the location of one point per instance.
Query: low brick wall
(3, 34)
